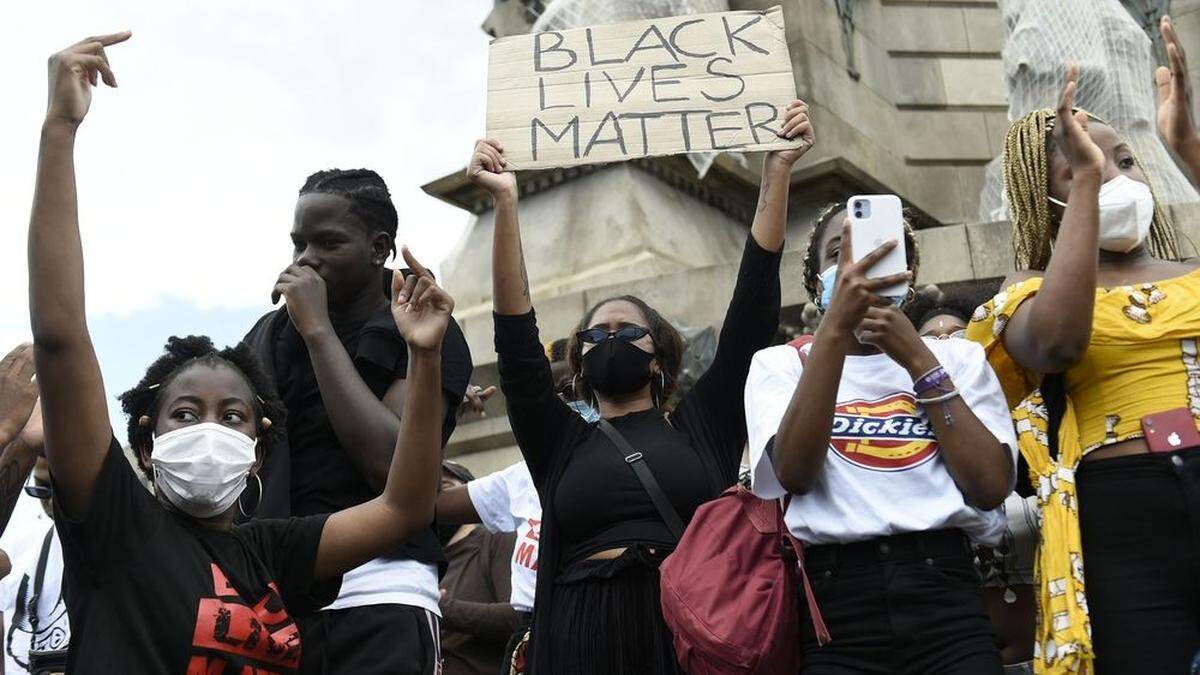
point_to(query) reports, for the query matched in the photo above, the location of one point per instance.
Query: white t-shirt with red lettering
(508, 502)
(884, 473)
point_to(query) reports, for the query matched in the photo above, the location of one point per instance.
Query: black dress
(603, 616)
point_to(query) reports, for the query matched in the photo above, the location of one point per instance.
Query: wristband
(936, 379)
(943, 398)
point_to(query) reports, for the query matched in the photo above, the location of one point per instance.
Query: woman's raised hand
(73, 73)
(796, 125)
(1176, 124)
(488, 169)
(1071, 130)
(420, 307)
(856, 292)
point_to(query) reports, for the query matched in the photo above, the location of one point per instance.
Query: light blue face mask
(829, 285)
(586, 411)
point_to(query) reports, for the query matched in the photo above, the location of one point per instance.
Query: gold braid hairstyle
(1026, 186)
(809, 272)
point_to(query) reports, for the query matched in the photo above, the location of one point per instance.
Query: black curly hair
(368, 195)
(179, 354)
(668, 350)
(809, 271)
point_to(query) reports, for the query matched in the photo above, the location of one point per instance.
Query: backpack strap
(637, 462)
(814, 612)
(803, 345)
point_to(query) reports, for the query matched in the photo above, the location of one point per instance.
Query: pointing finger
(413, 264)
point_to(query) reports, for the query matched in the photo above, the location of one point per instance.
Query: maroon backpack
(730, 588)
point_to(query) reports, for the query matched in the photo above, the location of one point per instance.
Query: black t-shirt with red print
(150, 591)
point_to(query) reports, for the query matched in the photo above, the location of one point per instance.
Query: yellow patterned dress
(1142, 360)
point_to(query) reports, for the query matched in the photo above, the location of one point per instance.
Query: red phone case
(1170, 431)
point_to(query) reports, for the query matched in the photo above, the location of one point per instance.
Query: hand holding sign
(796, 125)
(696, 83)
(488, 169)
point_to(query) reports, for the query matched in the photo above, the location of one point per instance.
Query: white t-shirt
(53, 628)
(384, 581)
(883, 473)
(508, 502)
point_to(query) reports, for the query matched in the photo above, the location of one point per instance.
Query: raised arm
(799, 451)
(75, 414)
(538, 418)
(1176, 124)
(1050, 332)
(752, 317)
(770, 218)
(510, 280)
(358, 534)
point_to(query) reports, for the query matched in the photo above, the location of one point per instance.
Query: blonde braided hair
(1025, 164)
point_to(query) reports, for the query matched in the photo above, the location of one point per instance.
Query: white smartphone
(875, 220)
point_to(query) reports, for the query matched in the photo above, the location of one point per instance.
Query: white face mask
(1126, 212)
(202, 468)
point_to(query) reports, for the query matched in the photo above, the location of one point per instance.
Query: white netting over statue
(564, 14)
(1116, 82)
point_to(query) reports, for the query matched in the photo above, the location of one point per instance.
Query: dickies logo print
(887, 434)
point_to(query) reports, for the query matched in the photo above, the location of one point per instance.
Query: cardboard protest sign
(695, 83)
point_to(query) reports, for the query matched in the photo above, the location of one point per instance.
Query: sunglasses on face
(594, 336)
(39, 491)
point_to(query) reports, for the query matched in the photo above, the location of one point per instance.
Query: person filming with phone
(894, 452)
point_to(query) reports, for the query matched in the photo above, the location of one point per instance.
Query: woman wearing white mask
(1104, 318)
(169, 584)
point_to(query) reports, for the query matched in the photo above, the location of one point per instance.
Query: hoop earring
(257, 502)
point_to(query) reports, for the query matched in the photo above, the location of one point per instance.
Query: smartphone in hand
(875, 220)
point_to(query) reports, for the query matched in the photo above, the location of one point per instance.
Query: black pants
(1140, 521)
(903, 604)
(392, 639)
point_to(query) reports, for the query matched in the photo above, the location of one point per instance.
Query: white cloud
(188, 172)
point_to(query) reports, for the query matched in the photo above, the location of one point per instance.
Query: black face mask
(615, 367)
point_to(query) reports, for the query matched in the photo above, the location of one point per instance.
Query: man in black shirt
(339, 364)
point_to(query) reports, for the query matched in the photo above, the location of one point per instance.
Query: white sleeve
(980, 388)
(774, 373)
(490, 496)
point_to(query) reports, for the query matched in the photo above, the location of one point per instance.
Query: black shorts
(382, 639)
(903, 604)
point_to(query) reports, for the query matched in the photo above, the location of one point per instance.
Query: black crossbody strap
(637, 462)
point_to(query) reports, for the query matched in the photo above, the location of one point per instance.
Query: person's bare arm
(1050, 332)
(365, 426)
(16, 461)
(798, 454)
(454, 507)
(770, 218)
(358, 534)
(977, 461)
(74, 408)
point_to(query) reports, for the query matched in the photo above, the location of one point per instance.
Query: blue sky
(188, 172)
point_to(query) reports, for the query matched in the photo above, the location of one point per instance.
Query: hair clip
(154, 386)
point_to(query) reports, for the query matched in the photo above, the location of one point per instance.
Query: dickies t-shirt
(149, 591)
(884, 473)
(507, 501)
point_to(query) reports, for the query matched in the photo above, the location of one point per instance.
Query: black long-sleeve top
(592, 501)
